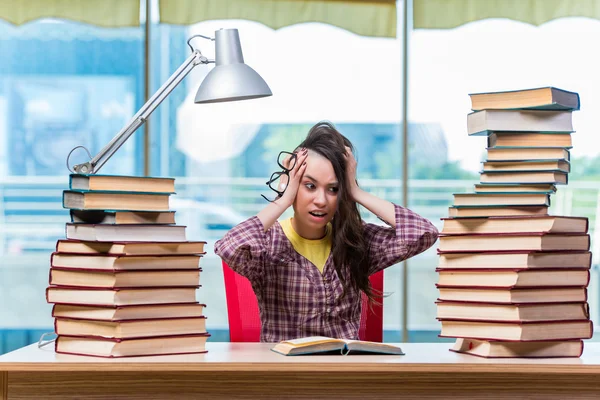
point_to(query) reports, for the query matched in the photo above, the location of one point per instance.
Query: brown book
(122, 183)
(133, 233)
(130, 248)
(483, 122)
(551, 177)
(532, 165)
(517, 331)
(115, 201)
(535, 241)
(545, 223)
(118, 262)
(498, 349)
(500, 199)
(512, 312)
(510, 296)
(515, 188)
(122, 217)
(114, 348)
(506, 278)
(119, 297)
(123, 279)
(504, 211)
(130, 329)
(120, 313)
(528, 139)
(516, 259)
(545, 98)
(527, 153)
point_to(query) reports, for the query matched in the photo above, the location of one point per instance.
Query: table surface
(256, 357)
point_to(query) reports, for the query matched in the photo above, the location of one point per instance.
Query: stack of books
(124, 281)
(512, 278)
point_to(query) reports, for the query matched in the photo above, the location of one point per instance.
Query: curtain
(363, 17)
(445, 14)
(105, 13)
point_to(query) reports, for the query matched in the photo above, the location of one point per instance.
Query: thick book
(500, 349)
(504, 211)
(544, 223)
(129, 329)
(120, 297)
(517, 331)
(320, 344)
(527, 165)
(119, 262)
(122, 183)
(485, 122)
(115, 348)
(527, 153)
(120, 313)
(515, 278)
(515, 188)
(543, 98)
(529, 140)
(122, 217)
(131, 233)
(534, 241)
(130, 248)
(514, 296)
(551, 177)
(87, 278)
(500, 199)
(516, 259)
(116, 201)
(512, 312)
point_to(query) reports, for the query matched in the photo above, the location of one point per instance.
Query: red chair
(244, 318)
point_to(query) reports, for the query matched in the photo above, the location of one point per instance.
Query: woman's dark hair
(348, 248)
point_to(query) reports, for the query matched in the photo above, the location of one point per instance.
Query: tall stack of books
(513, 279)
(124, 281)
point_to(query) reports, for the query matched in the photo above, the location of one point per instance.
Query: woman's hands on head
(296, 173)
(351, 173)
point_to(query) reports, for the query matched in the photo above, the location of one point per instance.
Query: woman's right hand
(296, 173)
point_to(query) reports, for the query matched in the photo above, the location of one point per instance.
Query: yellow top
(316, 251)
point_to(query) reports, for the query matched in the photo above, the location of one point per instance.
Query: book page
(311, 340)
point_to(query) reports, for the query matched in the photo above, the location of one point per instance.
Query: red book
(114, 348)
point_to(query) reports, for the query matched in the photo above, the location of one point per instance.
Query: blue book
(124, 183)
(484, 122)
(543, 98)
(115, 200)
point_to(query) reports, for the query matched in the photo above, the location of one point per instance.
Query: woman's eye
(334, 189)
(309, 186)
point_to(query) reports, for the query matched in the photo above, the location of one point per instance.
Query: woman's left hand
(351, 173)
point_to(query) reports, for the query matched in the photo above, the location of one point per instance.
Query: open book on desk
(321, 344)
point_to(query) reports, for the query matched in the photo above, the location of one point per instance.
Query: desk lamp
(229, 80)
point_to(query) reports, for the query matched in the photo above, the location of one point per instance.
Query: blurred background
(69, 80)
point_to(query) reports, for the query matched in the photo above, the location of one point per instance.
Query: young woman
(308, 271)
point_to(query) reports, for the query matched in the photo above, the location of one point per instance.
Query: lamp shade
(230, 79)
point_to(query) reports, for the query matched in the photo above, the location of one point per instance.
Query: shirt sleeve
(244, 248)
(387, 246)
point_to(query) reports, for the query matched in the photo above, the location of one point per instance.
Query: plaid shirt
(294, 298)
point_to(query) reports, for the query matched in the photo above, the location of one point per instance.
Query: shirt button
(328, 310)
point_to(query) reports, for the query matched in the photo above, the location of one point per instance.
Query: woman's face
(316, 200)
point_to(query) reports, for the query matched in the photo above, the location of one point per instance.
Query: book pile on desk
(124, 281)
(512, 278)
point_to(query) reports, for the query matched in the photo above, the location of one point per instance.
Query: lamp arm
(94, 165)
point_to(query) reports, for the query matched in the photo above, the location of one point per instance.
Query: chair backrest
(244, 318)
